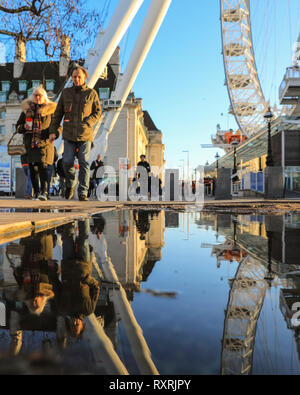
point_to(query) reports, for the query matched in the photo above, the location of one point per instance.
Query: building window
(3, 97)
(50, 85)
(2, 114)
(36, 83)
(29, 92)
(2, 130)
(23, 86)
(5, 86)
(103, 93)
(104, 75)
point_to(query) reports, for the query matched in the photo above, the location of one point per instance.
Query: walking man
(80, 107)
(96, 164)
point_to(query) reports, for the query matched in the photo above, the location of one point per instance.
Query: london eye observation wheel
(247, 100)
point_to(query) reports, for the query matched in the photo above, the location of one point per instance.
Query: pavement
(21, 217)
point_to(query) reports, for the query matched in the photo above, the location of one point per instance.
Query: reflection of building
(261, 236)
(134, 243)
(247, 293)
(267, 248)
(171, 219)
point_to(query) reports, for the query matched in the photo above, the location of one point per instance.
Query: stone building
(133, 135)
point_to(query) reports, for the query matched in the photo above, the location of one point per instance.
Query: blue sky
(182, 80)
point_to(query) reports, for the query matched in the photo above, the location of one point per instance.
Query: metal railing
(291, 73)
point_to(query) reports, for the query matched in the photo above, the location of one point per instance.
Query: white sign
(4, 169)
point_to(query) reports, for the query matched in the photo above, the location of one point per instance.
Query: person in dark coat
(33, 123)
(37, 276)
(80, 109)
(146, 165)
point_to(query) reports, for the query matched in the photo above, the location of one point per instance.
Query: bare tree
(46, 22)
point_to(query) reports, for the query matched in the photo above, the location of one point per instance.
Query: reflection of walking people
(80, 290)
(34, 123)
(38, 282)
(81, 110)
(38, 274)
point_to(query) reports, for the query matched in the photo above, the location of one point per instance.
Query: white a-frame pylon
(106, 44)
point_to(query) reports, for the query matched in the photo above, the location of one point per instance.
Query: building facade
(133, 134)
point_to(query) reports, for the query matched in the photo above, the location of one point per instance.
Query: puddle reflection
(145, 291)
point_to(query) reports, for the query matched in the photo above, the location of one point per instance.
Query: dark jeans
(83, 154)
(39, 175)
(28, 189)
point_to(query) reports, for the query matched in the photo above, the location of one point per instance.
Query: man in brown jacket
(81, 110)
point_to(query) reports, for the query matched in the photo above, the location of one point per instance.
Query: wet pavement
(153, 291)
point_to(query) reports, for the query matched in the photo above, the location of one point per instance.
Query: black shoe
(83, 198)
(69, 193)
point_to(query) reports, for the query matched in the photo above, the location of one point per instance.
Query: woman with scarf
(34, 122)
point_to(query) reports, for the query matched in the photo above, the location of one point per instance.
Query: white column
(105, 45)
(155, 16)
(108, 40)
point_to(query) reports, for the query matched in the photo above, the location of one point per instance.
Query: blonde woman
(34, 122)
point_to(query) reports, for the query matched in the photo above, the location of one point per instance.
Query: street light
(268, 117)
(188, 164)
(234, 170)
(217, 159)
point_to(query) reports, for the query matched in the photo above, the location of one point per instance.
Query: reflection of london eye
(246, 299)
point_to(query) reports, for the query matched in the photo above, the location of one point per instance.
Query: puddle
(36, 210)
(174, 292)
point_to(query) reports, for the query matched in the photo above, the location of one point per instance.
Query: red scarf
(34, 112)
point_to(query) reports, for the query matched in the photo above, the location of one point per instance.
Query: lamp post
(217, 159)
(268, 117)
(234, 170)
(188, 164)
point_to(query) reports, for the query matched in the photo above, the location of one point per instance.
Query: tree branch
(7, 33)
(16, 10)
(32, 9)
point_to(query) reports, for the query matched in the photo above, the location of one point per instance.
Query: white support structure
(248, 104)
(104, 48)
(107, 41)
(105, 45)
(155, 16)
